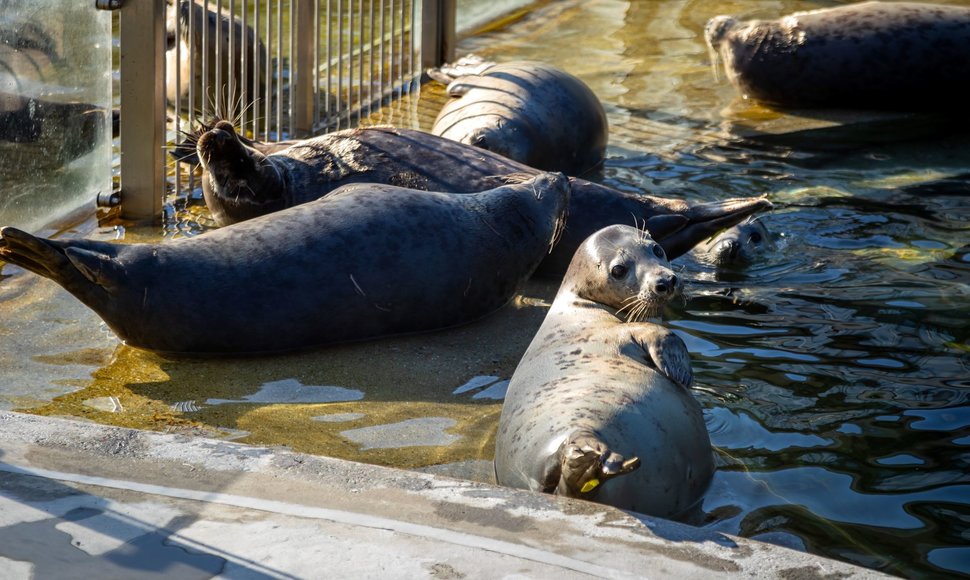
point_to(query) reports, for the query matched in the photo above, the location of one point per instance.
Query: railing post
(437, 32)
(301, 68)
(142, 71)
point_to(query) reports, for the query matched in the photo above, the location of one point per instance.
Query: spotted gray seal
(240, 182)
(595, 398)
(531, 112)
(367, 261)
(872, 55)
(736, 246)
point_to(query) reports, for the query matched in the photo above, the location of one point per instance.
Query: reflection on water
(835, 375)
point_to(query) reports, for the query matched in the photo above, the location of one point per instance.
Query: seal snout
(215, 141)
(667, 284)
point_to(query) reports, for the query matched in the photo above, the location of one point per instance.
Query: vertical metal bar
(327, 104)
(269, 67)
(350, 58)
(190, 5)
(390, 48)
(403, 23)
(370, 64)
(245, 95)
(234, 67)
(360, 60)
(206, 39)
(177, 51)
(257, 70)
(383, 43)
(279, 70)
(340, 61)
(301, 67)
(437, 32)
(316, 64)
(142, 70)
(219, 56)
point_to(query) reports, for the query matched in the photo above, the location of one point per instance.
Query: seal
(894, 56)
(599, 408)
(742, 244)
(240, 182)
(221, 41)
(528, 111)
(365, 262)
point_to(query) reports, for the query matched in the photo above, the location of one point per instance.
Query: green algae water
(834, 375)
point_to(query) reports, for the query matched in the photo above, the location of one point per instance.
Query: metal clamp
(108, 4)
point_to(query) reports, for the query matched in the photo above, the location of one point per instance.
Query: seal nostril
(673, 281)
(661, 287)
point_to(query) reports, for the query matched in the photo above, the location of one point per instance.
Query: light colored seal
(872, 55)
(365, 262)
(593, 390)
(240, 182)
(222, 47)
(531, 112)
(742, 244)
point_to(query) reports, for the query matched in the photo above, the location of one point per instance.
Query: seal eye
(658, 251)
(755, 238)
(618, 271)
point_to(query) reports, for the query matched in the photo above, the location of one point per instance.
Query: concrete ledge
(85, 500)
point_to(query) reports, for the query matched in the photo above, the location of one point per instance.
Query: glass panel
(55, 108)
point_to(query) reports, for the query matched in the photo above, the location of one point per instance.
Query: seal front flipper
(584, 462)
(667, 352)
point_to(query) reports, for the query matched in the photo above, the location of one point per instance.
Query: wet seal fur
(894, 56)
(737, 246)
(531, 112)
(365, 262)
(240, 182)
(595, 398)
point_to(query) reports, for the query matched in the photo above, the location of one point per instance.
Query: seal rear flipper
(66, 263)
(586, 462)
(40, 256)
(705, 220)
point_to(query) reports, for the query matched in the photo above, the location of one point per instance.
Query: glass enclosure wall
(55, 108)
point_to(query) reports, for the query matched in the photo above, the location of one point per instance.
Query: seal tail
(76, 268)
(705, 220)
(584, 462)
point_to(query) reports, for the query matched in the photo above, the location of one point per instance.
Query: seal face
(365, 262)
(897, 56)
(595, 398)
(742, 244)
(312, 168)
(531, 112)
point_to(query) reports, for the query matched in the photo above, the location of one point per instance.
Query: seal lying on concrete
(365, 262)
(531, 112)
(742, 244)
(241, 183)
(592, 390)
(897, 56)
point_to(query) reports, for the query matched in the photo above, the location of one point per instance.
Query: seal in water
(221, 41)
(239, 183)
(365, 262)
(593, 390)
(531, 112)
(895, 56)
(736, 246)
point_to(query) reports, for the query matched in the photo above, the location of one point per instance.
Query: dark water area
(834, 374)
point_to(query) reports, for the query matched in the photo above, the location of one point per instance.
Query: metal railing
(279, 69)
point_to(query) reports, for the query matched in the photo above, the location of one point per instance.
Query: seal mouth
(644, 305)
